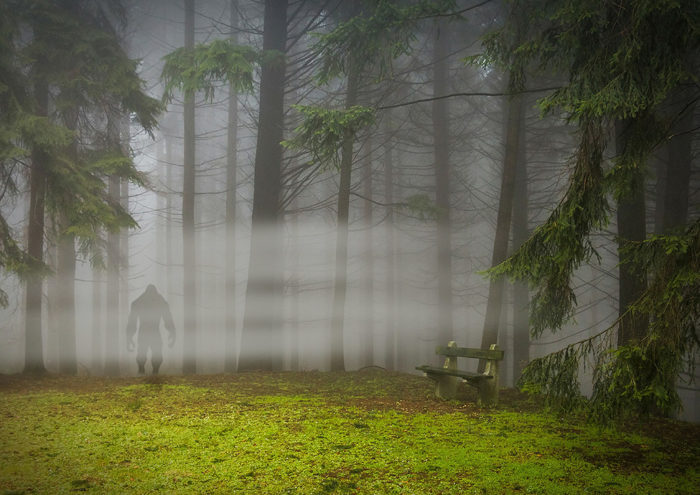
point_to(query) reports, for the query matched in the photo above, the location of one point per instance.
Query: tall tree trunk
(112, 329)
(34, 350)
(97, 321)
(52, 300)
(341, 243)
(390, 330)
(505, 209)
(231, 186)
(631, 226)
(170, 187)
(65, 274)
(124, 256)
(675, 199)
(295, 280)
(441, 143)
(112, 351)
(521, 296)
(189, 352)
(367, 349)
(260, 342)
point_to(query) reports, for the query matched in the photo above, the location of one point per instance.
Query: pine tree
(623, 61)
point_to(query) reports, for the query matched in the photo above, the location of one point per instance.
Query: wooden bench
(449, 376)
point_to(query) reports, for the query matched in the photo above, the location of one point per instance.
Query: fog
(392, 307)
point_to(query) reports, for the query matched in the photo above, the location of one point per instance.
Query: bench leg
(488, 389)
(488, 393)
(446, 387)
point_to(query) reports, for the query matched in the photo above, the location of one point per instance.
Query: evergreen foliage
(208, 64)
(73, 48)
(322, 131)
(623, 61)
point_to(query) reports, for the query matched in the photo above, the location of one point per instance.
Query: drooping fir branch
(640, 377)
(322, 132)
(81, 194)
(209, 64)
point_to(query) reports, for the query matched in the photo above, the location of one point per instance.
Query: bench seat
(467, 375)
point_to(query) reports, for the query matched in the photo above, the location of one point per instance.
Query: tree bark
(341, 243)
(631, 226)
(390, 330)
(231, 187)
(260, 339)
(65, 274)
(675, 199)
(124, 254)
(97, 321)
(503, 224)
(34, 350)
(189, 352)
(521, 295)
(367, 349)
(112, 351)
(441, 144)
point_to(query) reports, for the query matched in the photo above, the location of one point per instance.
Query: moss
(315, 433)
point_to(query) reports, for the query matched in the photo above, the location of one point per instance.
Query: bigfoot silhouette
(148, 309)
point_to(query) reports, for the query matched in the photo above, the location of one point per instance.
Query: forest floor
(318, 433)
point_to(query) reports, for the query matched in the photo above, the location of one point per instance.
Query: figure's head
(151, 290)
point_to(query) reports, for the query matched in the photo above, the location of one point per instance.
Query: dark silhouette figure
(148, 309)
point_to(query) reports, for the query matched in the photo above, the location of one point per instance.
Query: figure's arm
(169, 324)
(131, 329)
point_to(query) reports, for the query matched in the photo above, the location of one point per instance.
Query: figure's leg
(156, 352)
(141, 351)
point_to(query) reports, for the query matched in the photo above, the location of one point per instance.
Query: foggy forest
(324, 185)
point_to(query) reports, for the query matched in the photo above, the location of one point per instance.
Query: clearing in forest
(318, 433)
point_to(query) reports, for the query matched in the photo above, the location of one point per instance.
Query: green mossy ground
(318, 433)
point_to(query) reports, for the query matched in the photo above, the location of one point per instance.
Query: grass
(317, 433)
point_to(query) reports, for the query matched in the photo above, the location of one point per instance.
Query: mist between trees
(369, 251)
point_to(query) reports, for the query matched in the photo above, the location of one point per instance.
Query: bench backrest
(469, 352)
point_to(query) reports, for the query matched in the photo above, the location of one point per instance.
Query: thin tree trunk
(367, 349)
(65, 274)
(112, 329)
(124, 256)
(341, 244)
(389, 351)
(97, 321)
(189, 364)
(441, 142)
(631, 226)
(505, 209)
(521, 296)
(294, 361)
(675, 209)
(52, 301)
(34, 351)
(260, 339)
(169, 216)
(231, 186)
